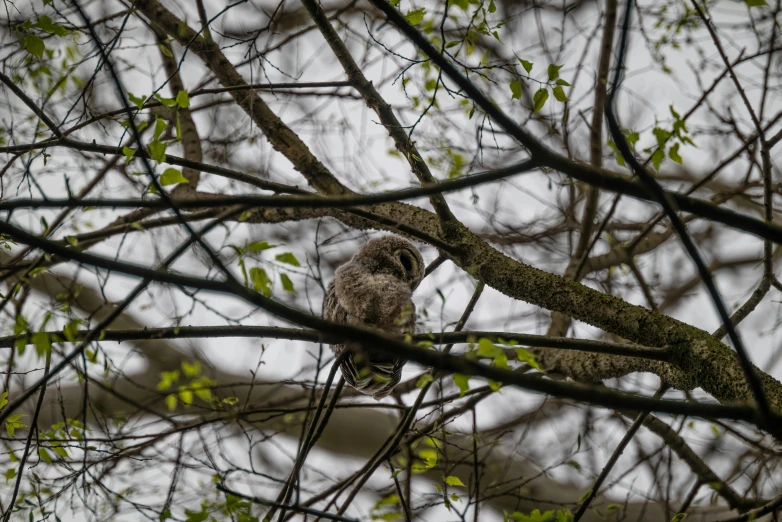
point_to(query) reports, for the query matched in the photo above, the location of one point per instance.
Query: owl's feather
(375, 289)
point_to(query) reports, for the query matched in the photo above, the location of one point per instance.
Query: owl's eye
(407, 262)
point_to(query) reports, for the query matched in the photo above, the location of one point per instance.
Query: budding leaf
(287, 258)
(415, 17)
(172, 176)
(183, 99)
(260, 246)
(463, 383)
(526, 64)
(34, 45)
(137, 100)
(453, 481)
(261, 281)
(674, 154)
(515, 89)
(553, 71)
(559, 94)
(539, 100)
(287, 284)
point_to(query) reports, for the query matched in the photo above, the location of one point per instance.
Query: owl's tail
(372, 377)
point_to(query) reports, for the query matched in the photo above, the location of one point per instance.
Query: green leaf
(160, 126)
(394, 3)
(486, 348)
(21, 345)
(288, 258)
(172, 176)
(128, 153)
(423, 380)
(674, 154)
(462, 382)
(287, 284)
(3, 399)
(755, 3)
(429, 455)
(141, 126)
(534, 516)
(453, 481)
(72, 240)
(69, 330)
(186, 396)
(12, 422)
(261, 281)
(389, 500)
(191, 370)
(559, 94)
(196, 516)
(539, 100)
(166, 51)
(515, 89)
(528, 357)
(183, 99)
(34, 45)
(138, 101)
(661, 135)
(171, 401)
(562, 82)
(657, 158)
(618, 155)
(415, 17)
(678, 517)
(42, 342)
(166, 102)
(9, 474)
(526, 64)
(260, 246)
(492, 8)
(45, 23)
(157, 151)
(464, 4)
(44, 455)
(62, 452)
(553, 71)
(202, 388)
(167, 379)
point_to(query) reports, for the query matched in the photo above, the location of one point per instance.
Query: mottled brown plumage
(375, 289)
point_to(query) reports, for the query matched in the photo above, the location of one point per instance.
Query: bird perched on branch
(375, 289)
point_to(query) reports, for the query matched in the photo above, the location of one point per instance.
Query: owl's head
(395, 255)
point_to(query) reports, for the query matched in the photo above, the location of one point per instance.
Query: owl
(375, 289)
